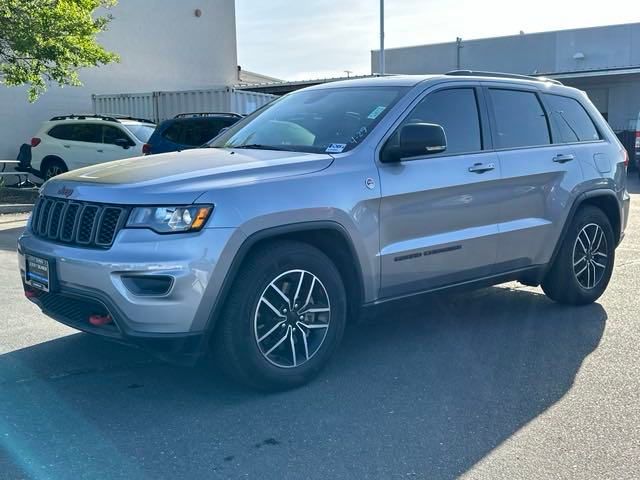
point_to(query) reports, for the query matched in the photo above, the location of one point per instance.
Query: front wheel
(284, 318)
(582, 269)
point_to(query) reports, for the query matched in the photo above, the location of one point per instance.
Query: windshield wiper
(257, 146)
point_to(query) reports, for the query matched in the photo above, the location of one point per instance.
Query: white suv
(74, 141)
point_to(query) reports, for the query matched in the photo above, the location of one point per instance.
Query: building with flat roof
(163, 45)
(603, 61)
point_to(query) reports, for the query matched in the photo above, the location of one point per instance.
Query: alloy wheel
(53, 171)
(590, 256)
(292, 319)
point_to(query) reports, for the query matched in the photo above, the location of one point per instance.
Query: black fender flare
(578, 202)
(266, 234)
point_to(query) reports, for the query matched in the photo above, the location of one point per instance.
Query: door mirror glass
(418, 139)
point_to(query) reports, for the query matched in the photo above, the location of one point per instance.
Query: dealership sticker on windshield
(376, 113)
(336, 148)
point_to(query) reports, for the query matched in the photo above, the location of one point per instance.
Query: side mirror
(418, 139)
(123, 142)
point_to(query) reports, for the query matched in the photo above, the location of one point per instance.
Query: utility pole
(382, 59)
(459, 47)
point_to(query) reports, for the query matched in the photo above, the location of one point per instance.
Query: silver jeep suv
(262, 245)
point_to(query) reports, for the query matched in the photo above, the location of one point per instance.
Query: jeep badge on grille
(66, 192)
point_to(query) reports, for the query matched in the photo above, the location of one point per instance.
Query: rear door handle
(67, 146)
(100, 151)
(563, 158)
(482, 167)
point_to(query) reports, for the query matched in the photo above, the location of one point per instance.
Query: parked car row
(70, 142)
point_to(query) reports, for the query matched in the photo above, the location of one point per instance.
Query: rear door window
(520, 120)
(87, 132)
(571, 119)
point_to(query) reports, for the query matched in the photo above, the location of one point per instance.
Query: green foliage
(43, 41)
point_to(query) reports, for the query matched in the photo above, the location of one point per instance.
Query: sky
(307, 39)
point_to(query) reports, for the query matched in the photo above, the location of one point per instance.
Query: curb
(7, 209)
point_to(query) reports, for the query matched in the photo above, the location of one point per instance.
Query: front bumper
(90, 282)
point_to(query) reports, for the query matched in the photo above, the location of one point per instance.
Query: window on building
(520, 119)
(572, 120)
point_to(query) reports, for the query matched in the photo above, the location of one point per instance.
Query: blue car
(188, 130)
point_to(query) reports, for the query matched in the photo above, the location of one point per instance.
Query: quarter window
(62, 132)
(456, 111)
(571, 119)
(520, 119)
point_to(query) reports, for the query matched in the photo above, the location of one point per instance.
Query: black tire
(562, 284)
(52, 168)
(236, 343)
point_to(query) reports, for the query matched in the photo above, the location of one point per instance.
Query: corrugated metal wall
(159, 106)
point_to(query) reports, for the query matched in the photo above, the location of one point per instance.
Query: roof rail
(106, 118)
(127, 117)
(208, 114)
(478, 73)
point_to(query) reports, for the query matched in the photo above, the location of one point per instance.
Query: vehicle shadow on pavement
(423, 388)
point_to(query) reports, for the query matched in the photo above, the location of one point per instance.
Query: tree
(48, 41)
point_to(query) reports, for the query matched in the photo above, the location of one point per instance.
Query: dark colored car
(188, 130)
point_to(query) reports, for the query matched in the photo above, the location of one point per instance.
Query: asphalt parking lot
(500, 383)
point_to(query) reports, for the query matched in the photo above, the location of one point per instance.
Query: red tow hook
(100, 320)
(30, 294)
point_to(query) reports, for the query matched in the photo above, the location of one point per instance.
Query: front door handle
(100, 151)
(482, 167)
(67, 146)
(563, 158)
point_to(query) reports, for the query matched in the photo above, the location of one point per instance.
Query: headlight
(170, 219)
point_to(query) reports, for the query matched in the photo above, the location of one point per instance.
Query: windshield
(331, 120)
(141, 132)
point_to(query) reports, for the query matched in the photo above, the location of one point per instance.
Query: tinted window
(520, 119)
(572, 120)
(87, 132)
(112, 134)
(456, 111)
(173, 133)
(62, 132)
(199, 132)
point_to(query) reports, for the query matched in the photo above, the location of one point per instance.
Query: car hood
(180, 178)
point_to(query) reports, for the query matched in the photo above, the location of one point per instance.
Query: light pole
(382, 59)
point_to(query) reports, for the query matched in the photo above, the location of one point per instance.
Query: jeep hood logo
(66, 192)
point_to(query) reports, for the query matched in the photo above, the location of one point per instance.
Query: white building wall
(163, 45)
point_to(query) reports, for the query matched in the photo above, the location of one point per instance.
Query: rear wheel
(284, 317)
(53, 168)
(582, 269)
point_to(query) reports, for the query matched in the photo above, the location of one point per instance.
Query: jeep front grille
(83, 224)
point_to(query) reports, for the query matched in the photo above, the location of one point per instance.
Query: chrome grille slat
(87, 225)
